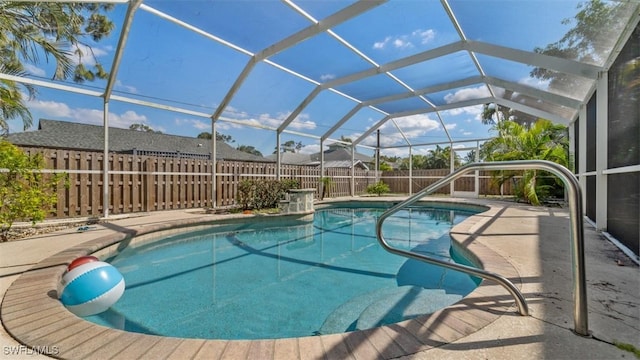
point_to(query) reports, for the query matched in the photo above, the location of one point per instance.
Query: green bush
(378, 188)
(263, 194)
(25, 192)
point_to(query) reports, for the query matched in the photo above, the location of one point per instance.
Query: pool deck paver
(527, 245)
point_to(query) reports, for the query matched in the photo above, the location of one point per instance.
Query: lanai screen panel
(455, 95)
(409, 104)
(397, 29)
(268, 96)
(357, 124)
(438, 71)
(252, 25)
(567, 85)
(168, 64)
(324, 111)
(316, 57)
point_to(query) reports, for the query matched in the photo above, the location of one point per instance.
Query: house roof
(294, 159)
(70, 135)
(338, 153)
(345, 164)
(337, 156)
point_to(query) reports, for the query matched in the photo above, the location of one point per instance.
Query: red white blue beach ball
(89, 286)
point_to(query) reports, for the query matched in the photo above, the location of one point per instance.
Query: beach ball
(90, 287)
(81, 260)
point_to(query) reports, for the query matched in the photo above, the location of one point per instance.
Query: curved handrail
(576, 233)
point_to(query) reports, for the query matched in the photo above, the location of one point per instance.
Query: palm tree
(32, 31)
(12, 100)
(542, 141)
(440, 158)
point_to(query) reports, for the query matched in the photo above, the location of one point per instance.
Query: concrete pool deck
(528, 245)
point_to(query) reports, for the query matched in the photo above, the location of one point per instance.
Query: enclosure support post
(602, 114)
(410, 170)
(353, 170)
(214, 162)
(105, 161)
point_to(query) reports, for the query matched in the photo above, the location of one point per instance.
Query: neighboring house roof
(294, 158)
(345, 164)
(341, 153)
(335, 157)
(69, 135)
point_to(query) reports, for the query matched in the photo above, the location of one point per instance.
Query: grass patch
(628, 347)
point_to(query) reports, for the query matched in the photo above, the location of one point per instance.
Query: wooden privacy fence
(140, 183)
(398, 181)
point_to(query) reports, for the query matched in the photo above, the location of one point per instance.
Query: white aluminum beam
(532, 111)
(340, 122)
(465, 103)
(397, 64)
(51, 85)
(436, 143)
(308, 32)
(535, 59)
(533, 92)
(122, 41)
(299, 109)
(424, 91)
(370, 130)
(323, 25)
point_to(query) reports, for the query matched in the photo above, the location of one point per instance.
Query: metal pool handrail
(576, 234)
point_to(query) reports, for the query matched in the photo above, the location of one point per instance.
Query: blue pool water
(288, 279)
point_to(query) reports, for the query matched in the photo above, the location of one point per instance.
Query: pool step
(360, 310)
(346, 314)
(412, 302)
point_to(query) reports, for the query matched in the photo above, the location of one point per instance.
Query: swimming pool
(288, 279)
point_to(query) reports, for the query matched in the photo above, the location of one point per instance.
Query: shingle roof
(294, 158)
(340, 153)
(69, 135)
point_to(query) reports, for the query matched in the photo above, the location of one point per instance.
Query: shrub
(378, 188)
(246, 191)
(263, 194)
(25, 193)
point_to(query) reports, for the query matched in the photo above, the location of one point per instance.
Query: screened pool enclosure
(383, 78)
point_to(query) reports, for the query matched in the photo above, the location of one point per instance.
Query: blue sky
(170, 65)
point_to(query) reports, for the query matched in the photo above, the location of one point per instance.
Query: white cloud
(450, 126)
(53, 109)
(325, 77)
(406, 41)
(425, 36)
(402, 43)
(475, 111)
(126, 88)
(310, 149)
(86, 55)
(34, 70)
(50, 108)
(534, 82)
(381, 44)
(301, 122)
(197, 124)
(467, 133)
(412, 126)
(467, 94)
